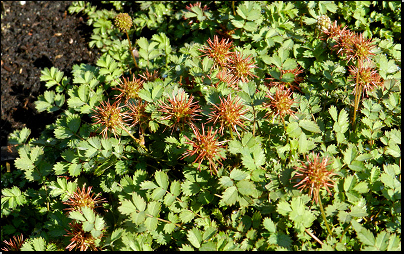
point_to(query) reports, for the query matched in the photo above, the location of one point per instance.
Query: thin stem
(166, 221)
(254, 119)
(217, 195)
(131, 50)
(231, 133)
(136, 139)
(343, 233)
(314, 237)
(358, 93)
(323, 214)
(232, 5)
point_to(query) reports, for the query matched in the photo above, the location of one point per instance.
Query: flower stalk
(323, 214)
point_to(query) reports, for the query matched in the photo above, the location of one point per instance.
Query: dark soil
(34, 36)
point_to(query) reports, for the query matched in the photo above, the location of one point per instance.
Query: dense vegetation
(218, 126)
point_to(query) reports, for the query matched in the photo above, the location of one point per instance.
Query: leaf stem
(343, 233)
(160, 219)
(323, 214)
(254, 121)
(313, 236)
(136, 139)
(131, 50)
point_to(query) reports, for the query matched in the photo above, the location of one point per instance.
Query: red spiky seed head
(149, 77)
(137, 114)
(129, 88)
(333, 32)
(280, 103)
(229, 113)
(180, 109)
(365, 76)
(313, 174)
(83, 198)
(220, 52)
(198, 4)
(207, 147)
(14, 244)
(110, 116)
(225, 75)
(354, 46)
(80, 239)
(242, 67)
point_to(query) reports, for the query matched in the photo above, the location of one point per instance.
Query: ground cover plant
(218, 126)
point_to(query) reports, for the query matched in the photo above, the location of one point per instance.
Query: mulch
(36, 35)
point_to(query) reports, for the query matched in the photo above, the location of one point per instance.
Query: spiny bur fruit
(313, 174)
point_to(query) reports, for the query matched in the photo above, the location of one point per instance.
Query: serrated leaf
(283, 208)
(280, 239)
(246, 187)
(151, 223)
(293, 130)
(169, 228)
(143, 43)
(344, 217)
(394, 243)
(237, 174)
(350, 154)
(36, 244)
(289, 64)
(153, 208)
(309, 126)
(239, 23)
(77, 215)
(88, 226)
(209, 232)
(161, 179)
(364, 157)
(116, 234)
(189, 188)
(309, 21)
(343, 121)
(88, 214)
(24, 163)
(349, 183)
(366, 237)
(194, 236)
(74, 169)
(230, 195)
(358, 212)
(138, 218)
(158, 193)
(361, 187)
(139, 202)
(269, 225)
(382, 240)
(175, 188)
(275, 60)
(127, 207)
(301, 217)
(186, 216)
(147, 185)
(186, 247)
(225, 181)
(303, 144)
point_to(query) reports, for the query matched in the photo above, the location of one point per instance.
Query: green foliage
(239, 191)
